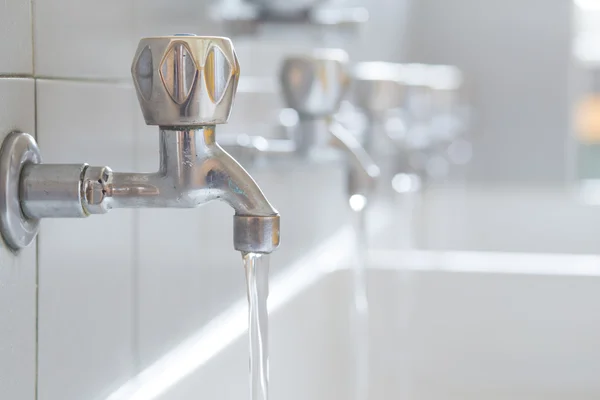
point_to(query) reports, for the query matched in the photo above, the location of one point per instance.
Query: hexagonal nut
(185, 80)
(314, 85)
(97, 190)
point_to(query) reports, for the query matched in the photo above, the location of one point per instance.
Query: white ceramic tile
(84, 39)
(15, 37)
(254, 113)
(86, 320)
(263, 56)
(167, 17)
(17, 272)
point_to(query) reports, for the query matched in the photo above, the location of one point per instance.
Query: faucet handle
(377, 87)
(314, 85)
(185, 80)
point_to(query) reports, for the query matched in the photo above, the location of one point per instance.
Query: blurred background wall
(516, 56)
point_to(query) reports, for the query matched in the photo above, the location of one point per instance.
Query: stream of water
(257, 283)
(360, 317)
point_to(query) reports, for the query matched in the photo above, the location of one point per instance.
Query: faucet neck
(310, 133)
(185, 147)
(202, 135)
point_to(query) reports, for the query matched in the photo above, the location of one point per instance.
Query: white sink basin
(442, 326)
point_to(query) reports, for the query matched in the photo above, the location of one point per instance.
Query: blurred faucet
(378, 90)
(186, 85)
(245, 17)
(412, 111)
(313, 87)
(450, 114)
(435, 119)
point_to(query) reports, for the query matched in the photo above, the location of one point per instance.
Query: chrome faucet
(186, 85)
(243, 17)
(314, 86)
(435, 119)
(423, 99)
(377, 90)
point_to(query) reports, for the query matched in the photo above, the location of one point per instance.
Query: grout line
(37, 262)
(7, 76)
(84, 79)
(135, 345)
(37, 242)
(135, 292)
(37, 317)
(64, 79)
(136, 267)
(32, 20)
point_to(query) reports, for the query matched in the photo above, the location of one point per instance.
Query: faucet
(424, 101)
(377, 91)
(450, 120)
(314, 86)
(185, 85)
(434, 118)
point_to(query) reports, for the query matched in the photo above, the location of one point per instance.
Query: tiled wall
(18, 273)
(96, 300)
(117, 291)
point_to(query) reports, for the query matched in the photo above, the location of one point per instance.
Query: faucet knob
(377, 87)
(314, 85)
(185, 80)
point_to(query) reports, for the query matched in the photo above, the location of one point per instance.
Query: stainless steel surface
(245, 17)
(185, 80)
(450, 117)
(193, 170)
(363, 172)
(309, 134)
(52, 191)
(314, 85)
(186, 84)
(285, 7)
(377, 87)
(427, 95)
(252, 234)
(435, 118)
(18, 150)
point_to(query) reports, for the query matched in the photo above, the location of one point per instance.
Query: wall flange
(18, 150)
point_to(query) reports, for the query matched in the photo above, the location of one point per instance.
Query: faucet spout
(363, 171)
(195, 170)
